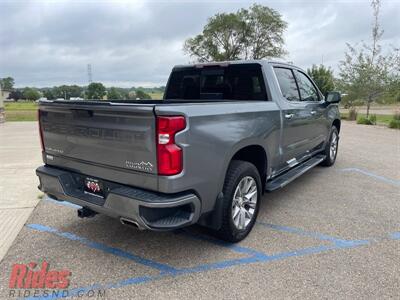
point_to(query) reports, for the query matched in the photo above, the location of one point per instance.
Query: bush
(367, 121)
(395, 121)
(352, 114)
(372, 118)
(394, 124)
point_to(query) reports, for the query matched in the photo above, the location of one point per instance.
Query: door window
(287, 83)
(308, 92)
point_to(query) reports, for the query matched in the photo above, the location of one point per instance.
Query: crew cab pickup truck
(224, 134)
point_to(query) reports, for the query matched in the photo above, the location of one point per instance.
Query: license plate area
(93, 186)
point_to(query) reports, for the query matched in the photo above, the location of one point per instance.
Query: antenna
(89, 73)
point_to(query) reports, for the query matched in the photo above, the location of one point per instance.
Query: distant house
(3, 95)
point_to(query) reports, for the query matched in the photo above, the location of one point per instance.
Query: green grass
(156, 96)
(380, 119)
(20, 106)
(21, 111)
(21, 115)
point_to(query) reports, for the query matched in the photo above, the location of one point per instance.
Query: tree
(323, 78)
(49, 94)
(7, 83)
(96, 90)
(253, 33)
(66, 91)
(366, 73)
(142, 95)
(31, 94)
(16, 95)
(114, 94)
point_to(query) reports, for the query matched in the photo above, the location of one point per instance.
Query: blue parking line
(255, 257)
(260, 257)
(196, 269)
(192, 270)
(115, 251)
(340, 243)
(370, 174)
(395, 235)
(221, 243)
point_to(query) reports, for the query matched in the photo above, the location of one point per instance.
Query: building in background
(3, 95)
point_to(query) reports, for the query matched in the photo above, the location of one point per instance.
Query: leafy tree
(16, 95)
(323, 77)
(7, 83)
(66, 91)
(96, 90)
(114, 94)
(366, 73)
(49, 94)
(253, 33)
(142, 95)
(31, 94)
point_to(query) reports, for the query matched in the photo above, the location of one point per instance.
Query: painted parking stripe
(395, 235)
(208, 267)
(341, 243)
(220, 243)
(370, 174)
(115, 251)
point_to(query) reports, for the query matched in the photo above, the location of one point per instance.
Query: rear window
(233, 82)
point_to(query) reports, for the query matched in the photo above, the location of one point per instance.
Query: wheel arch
(253, 153)
(256, 155)
(337, 124)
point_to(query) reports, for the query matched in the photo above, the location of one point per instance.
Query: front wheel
(242, 195)
(331, 148)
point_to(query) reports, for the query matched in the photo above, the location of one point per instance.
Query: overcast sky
(132, 43)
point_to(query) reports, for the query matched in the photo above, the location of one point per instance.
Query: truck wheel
(331, 148)
(241, 201)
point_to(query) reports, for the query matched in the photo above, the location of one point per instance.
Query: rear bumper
(150, 210)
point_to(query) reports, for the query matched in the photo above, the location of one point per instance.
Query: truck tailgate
(118, 137)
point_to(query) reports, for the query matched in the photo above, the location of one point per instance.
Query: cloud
(137, 43)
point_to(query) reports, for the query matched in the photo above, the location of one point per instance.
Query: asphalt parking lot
(332, 233)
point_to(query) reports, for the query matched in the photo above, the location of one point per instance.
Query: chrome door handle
(289, 116)
(313, 112)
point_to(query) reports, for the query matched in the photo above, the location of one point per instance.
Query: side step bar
(292, 174)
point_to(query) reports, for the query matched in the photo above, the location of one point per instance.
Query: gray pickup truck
(223, 135)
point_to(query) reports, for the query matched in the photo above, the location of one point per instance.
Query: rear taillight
(169, 155)
(40, 130)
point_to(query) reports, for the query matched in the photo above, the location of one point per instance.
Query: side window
(287, 84)
(308, 92)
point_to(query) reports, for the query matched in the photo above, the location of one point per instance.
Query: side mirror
(333, 97)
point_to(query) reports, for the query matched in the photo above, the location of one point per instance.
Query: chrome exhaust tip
(129, 222)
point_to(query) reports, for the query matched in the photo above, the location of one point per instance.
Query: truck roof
(229, 62)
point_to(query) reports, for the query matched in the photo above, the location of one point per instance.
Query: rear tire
(331, 148)
(241, 201)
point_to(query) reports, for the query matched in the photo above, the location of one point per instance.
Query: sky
(136, 43)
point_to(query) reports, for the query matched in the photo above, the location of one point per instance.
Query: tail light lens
(169, 155)
(40, 130)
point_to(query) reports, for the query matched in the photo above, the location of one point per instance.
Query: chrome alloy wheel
(244, 202)
(334, 145)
